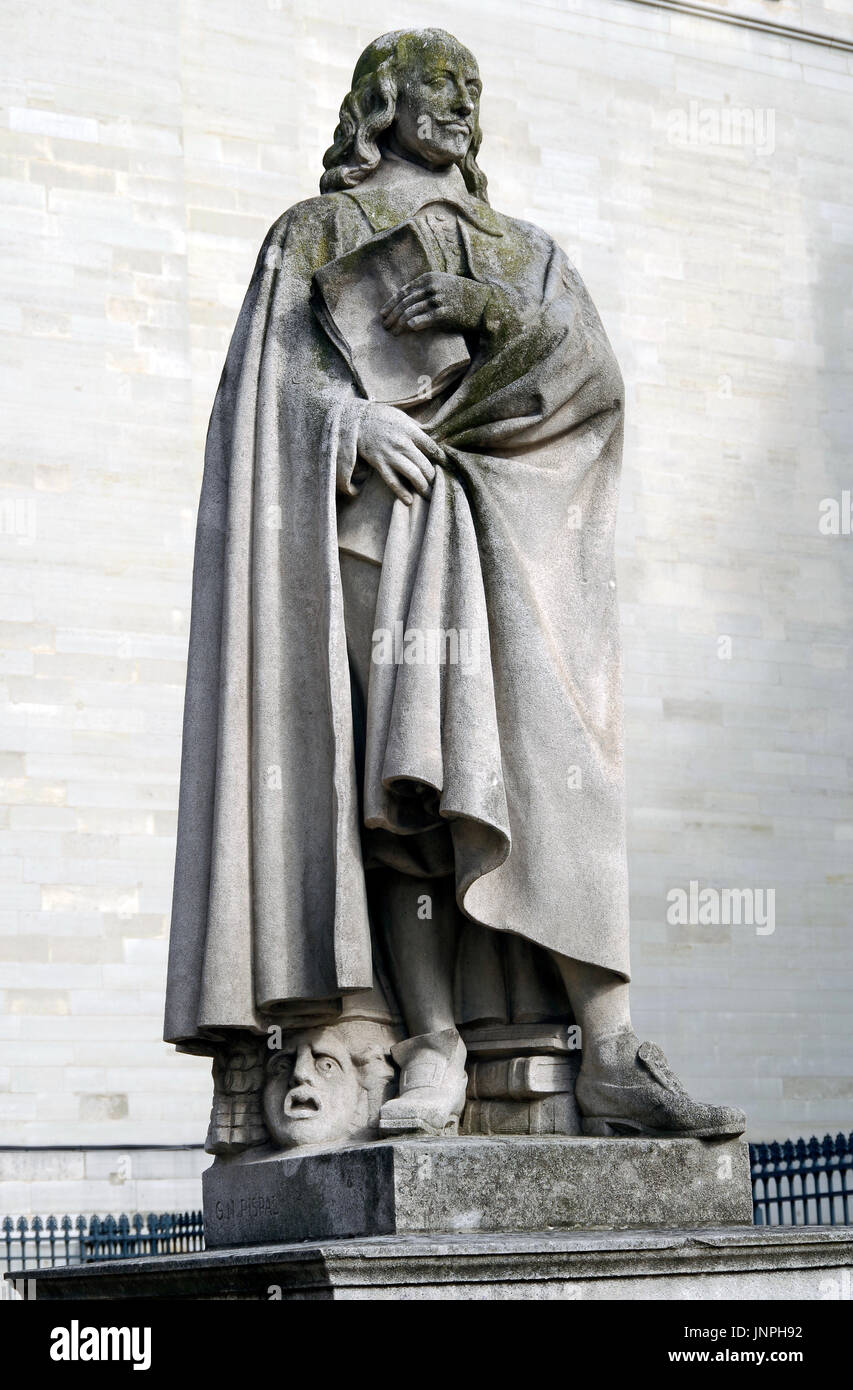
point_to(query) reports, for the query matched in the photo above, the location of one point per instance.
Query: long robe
(519, 749)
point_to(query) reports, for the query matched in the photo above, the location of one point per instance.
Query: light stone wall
(97, 1182)
(144, 151)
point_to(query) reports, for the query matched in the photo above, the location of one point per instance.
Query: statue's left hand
(437, 300)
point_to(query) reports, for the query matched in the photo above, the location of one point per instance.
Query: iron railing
(803, 1182)
(44, 1242)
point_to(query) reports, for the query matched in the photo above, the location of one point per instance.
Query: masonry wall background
(144, 151)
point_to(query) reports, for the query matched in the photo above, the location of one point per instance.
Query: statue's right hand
(401, 452)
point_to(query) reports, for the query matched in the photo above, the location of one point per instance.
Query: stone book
(552, 1114)
(520, 1078)
(348, 294)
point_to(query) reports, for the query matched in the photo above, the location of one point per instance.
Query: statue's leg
(625, 1086)
(600, 1002)
(418, 921)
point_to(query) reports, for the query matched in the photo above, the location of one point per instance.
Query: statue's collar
(397, 189)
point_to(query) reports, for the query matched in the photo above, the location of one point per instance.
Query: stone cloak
(520, 751)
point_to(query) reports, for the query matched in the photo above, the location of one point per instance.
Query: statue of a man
(356, 803)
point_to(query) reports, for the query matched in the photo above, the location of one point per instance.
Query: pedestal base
(402, 1186)
(780, 1263)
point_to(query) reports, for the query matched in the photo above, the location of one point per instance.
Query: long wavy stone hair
(370, 107)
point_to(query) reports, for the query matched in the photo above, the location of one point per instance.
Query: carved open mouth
(302, 1104)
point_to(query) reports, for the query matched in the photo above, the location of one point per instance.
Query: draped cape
(517, 741)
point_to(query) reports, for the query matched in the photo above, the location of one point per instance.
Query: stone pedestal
(506, 1184)
(482, 1218)
(583, 1266)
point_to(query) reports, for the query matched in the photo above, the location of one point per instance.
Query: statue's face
(438, 96)
(313, 1094)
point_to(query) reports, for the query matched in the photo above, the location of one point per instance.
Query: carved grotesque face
(438, 95)
(320, 1088)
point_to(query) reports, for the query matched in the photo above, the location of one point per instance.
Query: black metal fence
(43, 1242)
(803, 1182)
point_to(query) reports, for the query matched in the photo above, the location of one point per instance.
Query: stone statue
(327, 1085)
(401, 851)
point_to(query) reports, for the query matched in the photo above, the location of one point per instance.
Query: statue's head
(326, 1085)
(416, 92)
